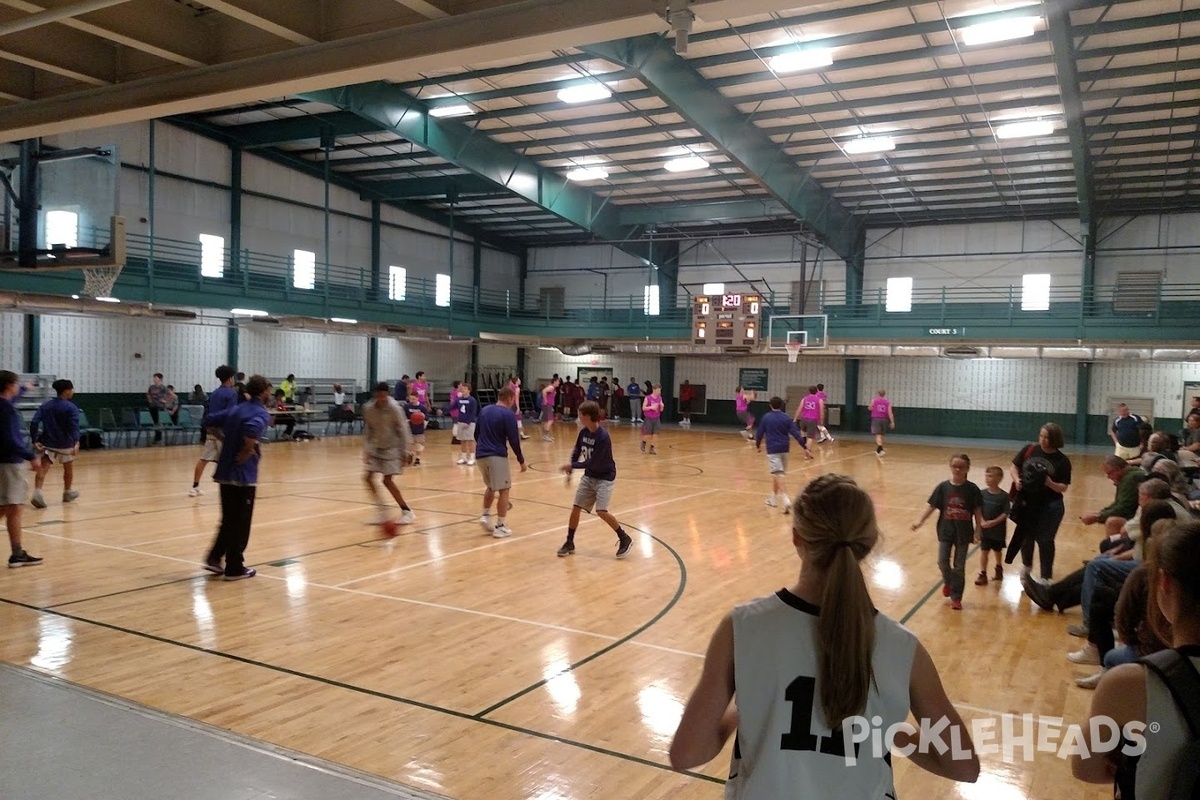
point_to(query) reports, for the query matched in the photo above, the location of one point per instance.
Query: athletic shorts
(464, 431)
(809, 428)
(987, 542)
(593, 492)
(383, 462)
(56, 456)
(1128, 452)
(495, 472)
(879, 425)
(746, 417)
(212, 449)
(547, 414)
(777, 463)
(13, 484)
(651, 425)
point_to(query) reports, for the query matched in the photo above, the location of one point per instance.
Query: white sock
(500, 522)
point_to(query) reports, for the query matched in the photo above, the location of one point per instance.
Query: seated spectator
(1124, 505)
(1189, 442)
(1152, 448)
(198, 397)
(309, 398)
(1171, 472)
(287, 420)
(1137, 692)
(339, 396)
(172, 405)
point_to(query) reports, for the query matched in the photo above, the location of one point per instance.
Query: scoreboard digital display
(730, 319)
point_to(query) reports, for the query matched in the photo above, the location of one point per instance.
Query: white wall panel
(98, 354)
(276, 353)
(1162, 382)
(974, 385)
(442, 362)
(500, 272)
(498, 355)
(12, 341)
(1169, 243)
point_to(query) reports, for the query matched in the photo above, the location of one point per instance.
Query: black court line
(365, 691)
(609, 648)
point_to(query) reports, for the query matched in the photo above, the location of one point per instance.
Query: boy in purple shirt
(237, 472)
(593, 454)
(776, 426)
(13, 455)
(497, 431)
(222, 398)
(467, 408)
(54, 432)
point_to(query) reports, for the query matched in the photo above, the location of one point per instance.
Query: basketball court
(467, 666)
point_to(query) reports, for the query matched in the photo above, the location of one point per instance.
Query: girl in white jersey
(1137, 693)
(810, 667)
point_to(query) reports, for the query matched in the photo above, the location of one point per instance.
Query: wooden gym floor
(479, 668)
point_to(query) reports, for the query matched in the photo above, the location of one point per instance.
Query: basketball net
(99, 281)
(793, 351)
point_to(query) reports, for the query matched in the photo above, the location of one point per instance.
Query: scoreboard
(727, 319)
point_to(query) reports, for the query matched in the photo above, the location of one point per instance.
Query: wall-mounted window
(650, 301)
(713, 288)
(212, 256)
(899, 294)
(1035, 292)
(304, 269)
(442, 291)
(62, 228)
(397, 283)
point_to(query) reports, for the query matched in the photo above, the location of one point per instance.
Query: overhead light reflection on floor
(661, 711)
(991, 786)
(888, 574)
(203, 614)
(54, 644)
(297, 582)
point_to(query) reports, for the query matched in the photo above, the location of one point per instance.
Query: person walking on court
(741, 401)
(514, 383)
(549, 393)
(634, 392)
(652, 408)
(242, 428)
(54, 432)
(1126, 433)
(464, 423)
(593, 454)
(156, 403)
(224, 397)
(959, 504)
(882, 419)
(826, 436)
(497, 432)
(13, 455)
(687, 393)
(811, 413)
(387, 445)
(817, 662)
(776, 426)
(1041, 474)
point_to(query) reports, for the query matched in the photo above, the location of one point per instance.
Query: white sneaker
(470, 461)
(1090, 681)
(194, 491)
(407, 518)
(829, 438)
(770, 501)
(502, 531)
(485, 522)
(787, 506)
(462, 459)
(1088, 654)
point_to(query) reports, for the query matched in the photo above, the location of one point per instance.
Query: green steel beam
(703, 212)
(448, 186)
(715, 116)
(1059, 21)
(363, 188)
(471, 149)
(296, 129)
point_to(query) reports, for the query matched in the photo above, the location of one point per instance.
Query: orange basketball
(417, 418)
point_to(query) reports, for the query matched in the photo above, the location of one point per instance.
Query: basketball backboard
(809, 331)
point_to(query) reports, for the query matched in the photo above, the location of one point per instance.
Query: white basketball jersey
(783, 747)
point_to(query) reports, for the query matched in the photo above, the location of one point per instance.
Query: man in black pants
(237, 472)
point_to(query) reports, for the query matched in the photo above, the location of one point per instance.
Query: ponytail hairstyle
(835, 519)
(1176, 553)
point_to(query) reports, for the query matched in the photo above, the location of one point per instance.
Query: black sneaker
(245, 573)
(653, 452)
(23, 560)
(567, 549)
(624, 542)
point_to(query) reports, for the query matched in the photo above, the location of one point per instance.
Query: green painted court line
(936, 587)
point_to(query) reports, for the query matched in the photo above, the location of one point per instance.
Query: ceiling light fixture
(584, 93)
(460, 110)
(869, 144)
(686, 164)
(1000, 30)
(812, 58)
(108, 299)
(1025, 129)
(344, 320)
(587, 174)
(247, 312)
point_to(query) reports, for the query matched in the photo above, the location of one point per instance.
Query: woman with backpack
(1158, 696)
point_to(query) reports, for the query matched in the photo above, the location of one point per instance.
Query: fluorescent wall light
(587, 174)
(687, 164)
(584, 93)
(108, 299)
(460, 110)
(870, 144)
(811, 58)
(713, 288)
(247, 312)
(1000, 30)
(344, 320)
(1025, 129)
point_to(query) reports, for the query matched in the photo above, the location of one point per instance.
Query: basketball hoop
(98, 282)
(793, 351)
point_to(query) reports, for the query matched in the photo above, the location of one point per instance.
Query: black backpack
(1176, 671)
